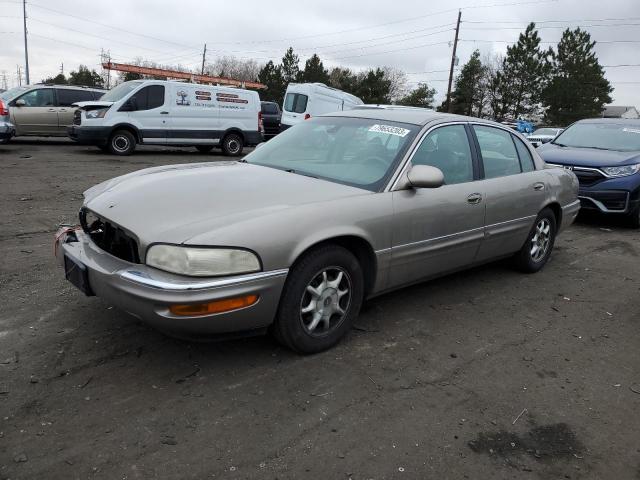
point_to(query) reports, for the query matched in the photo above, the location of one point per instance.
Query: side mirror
(424, 176)
(20, 103)
(259, 145)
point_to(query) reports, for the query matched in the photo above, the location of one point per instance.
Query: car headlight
(98, 113)
(622, 171)
(202, 262)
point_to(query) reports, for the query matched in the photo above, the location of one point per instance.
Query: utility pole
(453, 62)
(204, 56)
(26, 50)
(5, 85)
(62, 68)
(19, 76)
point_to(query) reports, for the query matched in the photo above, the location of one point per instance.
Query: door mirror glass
(425, 176)
(20, 103)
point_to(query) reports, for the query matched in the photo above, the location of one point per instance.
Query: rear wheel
(536, 251)
(122, 142)
(320, 301)
(634, 217)
(204, 148)
(232, 145)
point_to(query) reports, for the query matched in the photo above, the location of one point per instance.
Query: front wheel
(536, 251)
(320, 301)
(122, 142)
(634, 217)
(232, 145)
(204, 148)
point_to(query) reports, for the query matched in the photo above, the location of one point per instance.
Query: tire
(204, 148)
(634, 218)
(121, 142)
(232, 145)
(104, 148)
(337, 299)
(530, 258)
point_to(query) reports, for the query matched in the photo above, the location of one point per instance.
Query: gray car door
(515, 191)
(38, 115)
(439, 229)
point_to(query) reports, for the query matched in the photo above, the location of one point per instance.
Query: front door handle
(164, 113)
(52, 110)
(474, 198)
(538, 186)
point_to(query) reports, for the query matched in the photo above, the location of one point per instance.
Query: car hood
(175, 203)
(92, 105)
(586, 157)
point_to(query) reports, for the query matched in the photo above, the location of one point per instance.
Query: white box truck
(170, 113)
(306, 100)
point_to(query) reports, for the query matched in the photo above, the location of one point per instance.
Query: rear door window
(499, 155)
(526, 160)
(269, 109)
(66, 97)
(149, 97)
(295, 102)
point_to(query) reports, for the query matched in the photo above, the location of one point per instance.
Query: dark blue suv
(605, 156)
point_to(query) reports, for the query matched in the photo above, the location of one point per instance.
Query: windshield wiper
(291, 170)
(559, 144)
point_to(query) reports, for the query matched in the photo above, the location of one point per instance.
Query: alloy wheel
(325, 301)
(541, 239)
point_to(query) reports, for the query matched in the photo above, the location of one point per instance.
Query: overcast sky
(413, 35)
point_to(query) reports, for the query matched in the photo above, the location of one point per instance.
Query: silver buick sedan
(336, 210)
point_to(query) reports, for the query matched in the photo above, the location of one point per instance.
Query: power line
(511, 41)
(394, 51)
(555, 21)
(556, 26)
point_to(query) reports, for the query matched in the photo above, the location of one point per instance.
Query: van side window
(498, 152)
(42, 97)
(295, 102)
(149, 97)
(526, 160)
(67, 96)
(447, 148)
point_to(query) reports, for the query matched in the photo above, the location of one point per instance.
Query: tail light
(260, 123)
(3, 109)
(307, 116)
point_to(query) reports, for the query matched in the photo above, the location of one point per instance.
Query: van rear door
(295, 106)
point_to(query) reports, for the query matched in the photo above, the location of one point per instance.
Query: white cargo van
(170, 113)
(306, 100)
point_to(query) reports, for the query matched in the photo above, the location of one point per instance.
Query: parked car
(45, 110)
(605, 155)
(271, 116)
(333, 211)
(170, 113)
(7, 130)
(305, 100)
(543, 135)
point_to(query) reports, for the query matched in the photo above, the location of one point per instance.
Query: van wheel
(204, 148)
(320, 301)
(122, 142)
(536, 251)
(232, 145)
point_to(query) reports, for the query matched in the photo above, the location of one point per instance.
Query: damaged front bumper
(148, 293)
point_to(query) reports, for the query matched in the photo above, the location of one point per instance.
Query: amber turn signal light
(218, 306)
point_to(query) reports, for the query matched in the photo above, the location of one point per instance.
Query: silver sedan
(335, 210)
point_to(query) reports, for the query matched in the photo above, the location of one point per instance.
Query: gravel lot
(481, 375)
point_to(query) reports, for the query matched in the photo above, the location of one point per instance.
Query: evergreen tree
(271, 76)
(59, 79)
(467, 94)
(314, 71)
(422, 96)
(521, 79)
(373, 87)
(343, 79)
(290, 68)
(578, 88)
(86, 77)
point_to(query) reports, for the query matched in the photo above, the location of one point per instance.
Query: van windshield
(358, 152)
(12, 93)
(120, 91)
(295, 102)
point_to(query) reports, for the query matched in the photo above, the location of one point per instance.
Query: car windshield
(120, 91)
(605, 136)
(545, 131)
(352, 151)
(12, 93)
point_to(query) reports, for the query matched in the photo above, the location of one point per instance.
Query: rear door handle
(52, 109)
(538, 186)
(164, 113)
(474, 198)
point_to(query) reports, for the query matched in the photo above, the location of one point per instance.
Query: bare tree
(399, 87)
(233, 67)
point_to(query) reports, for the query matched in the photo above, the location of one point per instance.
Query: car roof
(612, 121)
(411, 115)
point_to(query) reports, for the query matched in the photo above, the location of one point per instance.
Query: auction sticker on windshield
(630, 130)
(390, 130)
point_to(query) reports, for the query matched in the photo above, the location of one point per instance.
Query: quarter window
(447, 148)
(498, 151)
(295, 102)
(42, 97)
(526, 160)
(148, 98)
